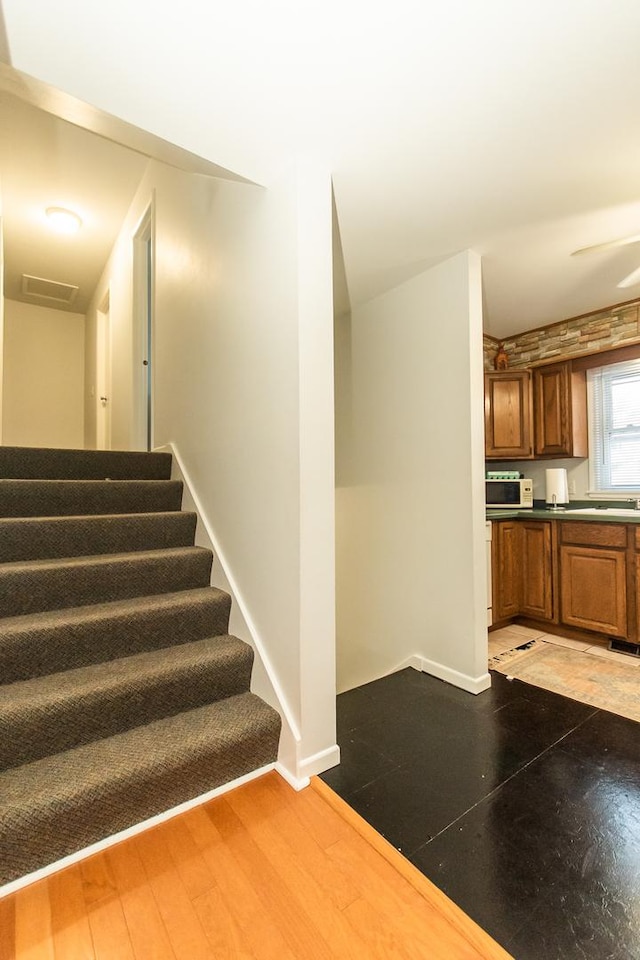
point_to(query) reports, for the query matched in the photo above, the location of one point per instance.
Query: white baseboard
(298, 783)
(415, 662)
(131, 831)
(462, 680)
(319, 762)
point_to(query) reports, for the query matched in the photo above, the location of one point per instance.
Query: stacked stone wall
(615, 327)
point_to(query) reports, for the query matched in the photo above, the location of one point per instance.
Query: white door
(103, 376)
(143, 283)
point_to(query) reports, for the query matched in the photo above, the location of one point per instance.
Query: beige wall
(410, 507)
(43, 377)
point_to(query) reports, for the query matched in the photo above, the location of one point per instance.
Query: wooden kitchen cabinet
(635, 579)
(593, 577)
(522, 570)
(560, 411)
(537, 591)
(508, 415)
(505, 569)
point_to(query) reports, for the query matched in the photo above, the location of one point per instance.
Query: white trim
(319, 762)
(298, 783)
(473, 685)
(462, 680)
(237, 595)
(415, 662)
(132, 831)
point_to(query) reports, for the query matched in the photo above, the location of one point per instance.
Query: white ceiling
(500, 126)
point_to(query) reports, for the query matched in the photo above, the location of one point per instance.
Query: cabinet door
(507, 415)
(506, 569)
(560, 411)
(593, 589)
(536, 567)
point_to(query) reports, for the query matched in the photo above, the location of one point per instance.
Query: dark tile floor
(522, 805)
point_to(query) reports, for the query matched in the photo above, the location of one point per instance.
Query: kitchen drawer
(594, 534)
(638, 538)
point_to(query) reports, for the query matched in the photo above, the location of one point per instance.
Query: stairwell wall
(242, 390)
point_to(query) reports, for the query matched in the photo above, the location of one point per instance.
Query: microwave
(509, 493)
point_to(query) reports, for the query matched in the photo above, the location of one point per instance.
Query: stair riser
(53, 724)
(40, 826)
(55, 498)
(35, 538)
(25, 589)
(67, 643)
(34, 463)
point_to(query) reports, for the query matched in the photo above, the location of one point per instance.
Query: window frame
(598, 363)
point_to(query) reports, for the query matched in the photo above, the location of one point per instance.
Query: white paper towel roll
(557, 487)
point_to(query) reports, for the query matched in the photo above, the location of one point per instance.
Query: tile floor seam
(499, 787)
(354, 793)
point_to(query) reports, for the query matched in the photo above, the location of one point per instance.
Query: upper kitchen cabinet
(560, 409)
(508, 415)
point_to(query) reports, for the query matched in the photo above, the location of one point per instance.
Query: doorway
(143, 286)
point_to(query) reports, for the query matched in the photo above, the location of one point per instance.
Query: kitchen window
(614, 428)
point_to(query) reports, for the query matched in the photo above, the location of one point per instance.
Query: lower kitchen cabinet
(537, 570)
(636, 578)
(522, 569)
(506, 579)
(593, 578)
(593, 586)
(582, 575)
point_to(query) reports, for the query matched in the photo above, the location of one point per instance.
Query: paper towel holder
(557, 489)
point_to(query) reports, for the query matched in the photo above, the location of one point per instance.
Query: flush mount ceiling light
(63, 220)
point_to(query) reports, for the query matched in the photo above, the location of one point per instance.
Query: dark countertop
(570, 513)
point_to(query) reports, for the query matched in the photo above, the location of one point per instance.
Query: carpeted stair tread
(60, 711)
(52, 641)
(53, 807)
(34, 585)
(35, 463)
(122, 694)
(30, 538)
(53, 498)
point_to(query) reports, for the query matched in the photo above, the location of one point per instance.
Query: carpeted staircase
(121, 693)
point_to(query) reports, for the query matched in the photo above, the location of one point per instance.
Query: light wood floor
(262, 872)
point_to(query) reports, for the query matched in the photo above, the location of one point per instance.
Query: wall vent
(48, 290)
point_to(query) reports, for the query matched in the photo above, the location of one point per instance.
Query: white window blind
(614, 427)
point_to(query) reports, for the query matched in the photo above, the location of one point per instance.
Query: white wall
(43, 377)
(410, 497)
(242, 389)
